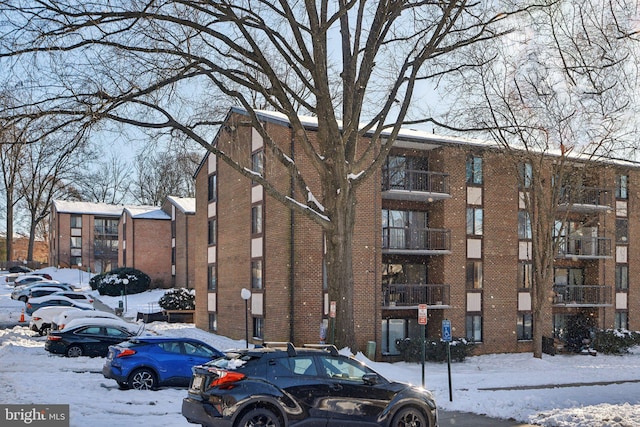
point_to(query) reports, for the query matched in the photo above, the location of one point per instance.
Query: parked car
(74, 295)
(145, 363)
(89, 337)
(56, 300)
(41, 291)
(22, 293)
(301, 386)
(19, 269)
(42, 318)
(26, 279)
(61, 320)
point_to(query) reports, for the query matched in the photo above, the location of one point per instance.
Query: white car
(27, 279)
(58, 300)
(74, 295)
(22, 293)
(42, 318)
(60, 321)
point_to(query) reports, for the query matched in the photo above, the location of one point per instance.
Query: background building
(182, 211)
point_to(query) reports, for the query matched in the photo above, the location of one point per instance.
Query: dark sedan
(90, 339)
(294, 387)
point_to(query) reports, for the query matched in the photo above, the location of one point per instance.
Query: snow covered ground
(563, 390)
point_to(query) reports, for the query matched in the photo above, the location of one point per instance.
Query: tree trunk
(339, 265)
(10, 202)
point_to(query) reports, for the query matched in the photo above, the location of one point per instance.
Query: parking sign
(422, 314)
(446, 330)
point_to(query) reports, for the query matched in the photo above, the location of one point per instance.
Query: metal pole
(422, 352)
(449, 370)
(246, 323)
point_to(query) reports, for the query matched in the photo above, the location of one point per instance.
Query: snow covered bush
(178, 299)
(615, 341)
(112, 283)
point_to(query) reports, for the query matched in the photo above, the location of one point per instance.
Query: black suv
(282, 385)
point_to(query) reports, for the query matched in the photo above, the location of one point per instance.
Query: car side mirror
(370, 379)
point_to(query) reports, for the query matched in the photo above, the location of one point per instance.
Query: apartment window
(405, 273)
(474, 221)
(212, 278)
(568, 276)
(474, 327)
(622, 320)
(173, 256)
(474, 274)
(256, 274)
(474, 170)
(256, 219)
(622, 231)
(258, 328)
(257, 162)
(622, 185)
(524, 225)
(525, 278)
(525, 172)
(76, 221)
(212, 232)
(622, 277)
(76, 242)
(75, 260)
(173, 228)
(213, 322)
(525, 327)
(212, 188)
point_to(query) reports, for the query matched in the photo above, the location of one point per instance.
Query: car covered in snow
(42, 318)
(55, 300)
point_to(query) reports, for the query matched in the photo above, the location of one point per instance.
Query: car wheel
(74, 351)
(45, 329)
(409, 417)
(123, 385)
(259, 417)
(142, 379)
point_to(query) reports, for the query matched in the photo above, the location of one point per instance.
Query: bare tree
(107, 181)
(164, 174)
(48, 166)
(11, 158)
(354, 65)
(557, 94)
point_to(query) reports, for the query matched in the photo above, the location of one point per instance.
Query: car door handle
(335, 387)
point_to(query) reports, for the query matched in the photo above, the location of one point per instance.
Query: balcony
(416, 241)
(415, 185)
(410, 296)
(106, 230)
(582, 296)
(585, 247)
(586, 199)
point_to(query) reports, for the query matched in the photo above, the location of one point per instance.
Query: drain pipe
(292, 252)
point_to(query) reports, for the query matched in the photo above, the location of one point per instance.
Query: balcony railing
(398, 295)
(106, 231)
(415, 181)
(412, 239)
(582, 295)
(586, 198)
(585, 247)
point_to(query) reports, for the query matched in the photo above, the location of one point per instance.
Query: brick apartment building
(182, 211)
(84, 235)
(442, 224)
(100, 237)
(145, 244)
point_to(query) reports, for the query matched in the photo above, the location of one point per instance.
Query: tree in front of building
(358, 67)
(556, 97)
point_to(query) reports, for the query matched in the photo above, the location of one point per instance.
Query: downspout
(292, 253)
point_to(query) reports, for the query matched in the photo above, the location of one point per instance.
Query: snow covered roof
(146, 212)
(88, 208)
(185, 204)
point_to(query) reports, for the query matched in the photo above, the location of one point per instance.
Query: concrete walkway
(465, 419)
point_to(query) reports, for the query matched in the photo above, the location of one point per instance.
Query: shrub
(435, 349)
(615, 341)
(111, 283)
(178, 299)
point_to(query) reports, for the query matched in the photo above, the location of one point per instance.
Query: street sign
(422, 314)
(446, 330)
(332, 310)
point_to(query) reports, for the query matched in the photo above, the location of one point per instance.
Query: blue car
(146, 363)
